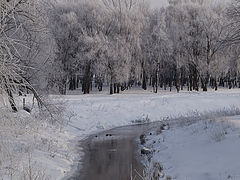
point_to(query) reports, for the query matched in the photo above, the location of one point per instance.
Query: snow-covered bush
(218, 128)
(195, 116)
(217, 134)
(25, 137)
(141, 120)
(30, 171)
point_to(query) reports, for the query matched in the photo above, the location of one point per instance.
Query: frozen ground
(92, 113)
(206, 149)
(52, 148)
(32, 146)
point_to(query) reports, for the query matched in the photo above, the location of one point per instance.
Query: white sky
(161, 3)
(158, 3)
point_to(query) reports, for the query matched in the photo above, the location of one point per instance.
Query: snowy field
(206, 149)
(52, 150)
(93, 113)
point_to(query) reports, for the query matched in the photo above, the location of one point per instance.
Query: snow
(204, 150)
(98, 112)
(54, 150)
(32, 147)
(94, 113)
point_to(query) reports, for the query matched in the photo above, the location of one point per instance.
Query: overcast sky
(158, 3)
(161, 3)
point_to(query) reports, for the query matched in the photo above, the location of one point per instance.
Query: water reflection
(112, 155)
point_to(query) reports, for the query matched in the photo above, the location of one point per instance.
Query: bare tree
(18, 19)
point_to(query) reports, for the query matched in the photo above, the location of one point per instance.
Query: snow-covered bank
(206, 149)
(32, 146)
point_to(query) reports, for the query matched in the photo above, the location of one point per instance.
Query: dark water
(112, 155)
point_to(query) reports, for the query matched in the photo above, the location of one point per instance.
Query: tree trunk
(215, 83)
(195, 82)
(177, 83)
(100, 86)
(144, 81)
(182, 82)
(10, 98)
(87, 80)
(205, 81)
(63, 86)
(71, 84)
(118, 88)
(190, 83)
(111, 88)
(156, 82)
(115, 88)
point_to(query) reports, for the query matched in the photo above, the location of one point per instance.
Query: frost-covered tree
(157, 49)
(20, 21)
(196, 31)
(127, 20)
(86, 32)
(119, 43)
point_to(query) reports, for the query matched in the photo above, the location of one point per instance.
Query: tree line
(124, 43)
(49, 45)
